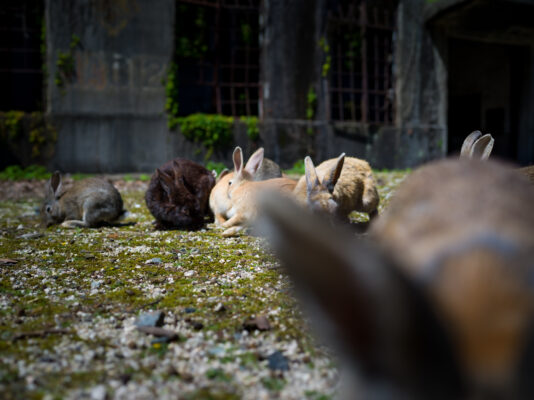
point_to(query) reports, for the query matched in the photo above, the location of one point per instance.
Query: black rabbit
(178, 195)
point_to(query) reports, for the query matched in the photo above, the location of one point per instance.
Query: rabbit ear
(312, 180)
(255, 161)
(238, 160)
(376, 316)
(178, 174)
(482, 147)
(55, 183)
(224, 172)
(468, 143)
(334, 174)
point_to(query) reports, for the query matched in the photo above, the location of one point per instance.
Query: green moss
(15, 173)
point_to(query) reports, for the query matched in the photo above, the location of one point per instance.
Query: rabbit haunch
(442, 305)
(258, 168)
(339, 186)
(87, 203)
(178, 193)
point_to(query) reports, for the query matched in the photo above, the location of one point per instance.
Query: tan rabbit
(257, 168)
(338, 187)
(243, 192)
(219, 199)
(477, 146)
(441, 305)
(88, 203)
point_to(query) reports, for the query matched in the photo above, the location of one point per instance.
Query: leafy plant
(171, 92)
(66, 70)
(12, 123)
(215, 166)
(253, 131)
(297, 168)
(209, 130)
(17, 173)
(325, 47)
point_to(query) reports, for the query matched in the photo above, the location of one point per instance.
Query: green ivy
(253, 131)
(12, 124)
(311, 103)
(325, 47)
(211, 131)
(298, 168)
(66, 70)
(171, 92)
(18, 126)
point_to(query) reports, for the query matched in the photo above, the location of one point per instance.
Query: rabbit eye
(229, 183)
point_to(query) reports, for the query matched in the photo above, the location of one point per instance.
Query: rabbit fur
(178, 194)
(440, 302)
(263, 169)
(89, 202)
(243, 192)
(338, 187)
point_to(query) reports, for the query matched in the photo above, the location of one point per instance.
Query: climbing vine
(311, 103)
(65, 68)
(325, 47)
(32, 131)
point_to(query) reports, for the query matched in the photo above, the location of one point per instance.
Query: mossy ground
(79, 291)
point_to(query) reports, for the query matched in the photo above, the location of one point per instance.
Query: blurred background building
(116, 85)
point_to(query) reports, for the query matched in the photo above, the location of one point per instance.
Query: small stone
(154, 261)
(32, 235)
(260, 323)
(95, 285)
(7, 261)
(197, 325)
(219, 307)
(277, 361)
(98, 393)
(150, 319)
(188, 274)
(189, 310)
(159, 332)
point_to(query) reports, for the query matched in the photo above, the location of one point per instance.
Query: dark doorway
(21, 44)
(485, 93)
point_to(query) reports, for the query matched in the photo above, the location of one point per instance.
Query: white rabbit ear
(360, 298)
(255, 161)
(312, 180)
(482, 147)
(56, 183)
(334, 174)
(238, 160)
(468, 143)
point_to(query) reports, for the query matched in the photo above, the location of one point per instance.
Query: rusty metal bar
(363, 31)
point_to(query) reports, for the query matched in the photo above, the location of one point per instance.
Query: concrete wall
(110, 116)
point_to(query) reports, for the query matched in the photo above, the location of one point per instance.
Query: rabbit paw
(72, 223)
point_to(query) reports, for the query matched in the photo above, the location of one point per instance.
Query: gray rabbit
(90, 202)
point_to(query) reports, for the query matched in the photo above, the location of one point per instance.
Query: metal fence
(218, 56)
(360, 37)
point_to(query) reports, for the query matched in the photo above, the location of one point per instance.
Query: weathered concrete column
(291, 64)
(109, 103)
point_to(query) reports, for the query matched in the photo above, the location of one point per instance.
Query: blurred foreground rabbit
(440, 303)
(89, 202)
(178, 194)
(338, 186)
(257, 167)
(243, 191)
